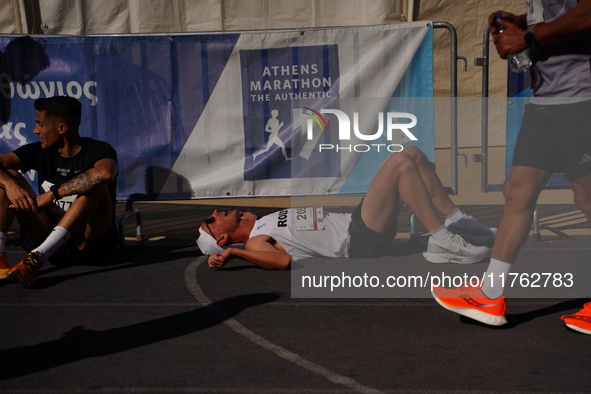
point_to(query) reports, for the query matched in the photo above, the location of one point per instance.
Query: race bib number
(309, 218)
(62, 204)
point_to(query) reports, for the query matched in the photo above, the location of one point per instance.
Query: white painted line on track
(197, 292)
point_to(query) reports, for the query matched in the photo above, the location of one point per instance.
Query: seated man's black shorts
(366, 242)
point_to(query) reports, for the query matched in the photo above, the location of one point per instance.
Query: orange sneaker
(27, 271)
(471, 302)
(4, 267)
(580, 321)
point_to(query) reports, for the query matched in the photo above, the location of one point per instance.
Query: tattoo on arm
(82, 183)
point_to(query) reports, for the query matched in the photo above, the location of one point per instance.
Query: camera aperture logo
(350, 131)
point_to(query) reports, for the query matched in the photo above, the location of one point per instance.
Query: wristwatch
(530, 39)
(54, 189)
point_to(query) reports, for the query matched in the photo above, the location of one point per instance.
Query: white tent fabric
(158, 16)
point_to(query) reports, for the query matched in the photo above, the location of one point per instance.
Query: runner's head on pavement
(208, 245)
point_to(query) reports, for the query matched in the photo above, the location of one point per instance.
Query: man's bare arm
(260, 250)
(267, 260)
(8, 161)
(21, 196)
(568, 26)
(575, 21)
(104, 171)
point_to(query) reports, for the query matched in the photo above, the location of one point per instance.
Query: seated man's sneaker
(471, 302)
(580, 321)
(27, 271)
(454, 249)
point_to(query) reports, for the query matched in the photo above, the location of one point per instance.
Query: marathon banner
(228, 114)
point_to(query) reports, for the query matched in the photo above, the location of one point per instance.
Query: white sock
(454, 215)
(2, 241)
(440, 233)
(495, 275)
(57, 238)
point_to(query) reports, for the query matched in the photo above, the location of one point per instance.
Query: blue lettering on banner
(142, 94)
(273, 80)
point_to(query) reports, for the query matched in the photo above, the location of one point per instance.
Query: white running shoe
(454, 250)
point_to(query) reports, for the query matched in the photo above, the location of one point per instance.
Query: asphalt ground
(156, 319)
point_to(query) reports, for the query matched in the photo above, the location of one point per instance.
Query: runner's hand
(218, 260)
(20, 199)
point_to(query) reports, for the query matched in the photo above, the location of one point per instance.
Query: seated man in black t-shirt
(73, 214)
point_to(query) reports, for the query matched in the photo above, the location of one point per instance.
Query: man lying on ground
(406, 177)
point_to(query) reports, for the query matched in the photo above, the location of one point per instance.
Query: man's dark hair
(67, 108)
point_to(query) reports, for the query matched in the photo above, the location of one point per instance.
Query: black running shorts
(556, 138)
(366, 242)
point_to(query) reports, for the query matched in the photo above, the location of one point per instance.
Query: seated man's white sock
(441, 233)
(57, 238)
(454, 216)
(495, 276)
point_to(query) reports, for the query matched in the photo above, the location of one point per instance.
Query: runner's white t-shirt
(330, 241)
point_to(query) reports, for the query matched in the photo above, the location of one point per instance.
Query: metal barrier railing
(453, 189)
(482, 158)
(454, 104)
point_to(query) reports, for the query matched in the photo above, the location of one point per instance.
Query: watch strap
(54, 189)
(530, 39)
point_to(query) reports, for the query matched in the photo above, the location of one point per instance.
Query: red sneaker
(471, 302)
(580, 321)
(27, 271)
